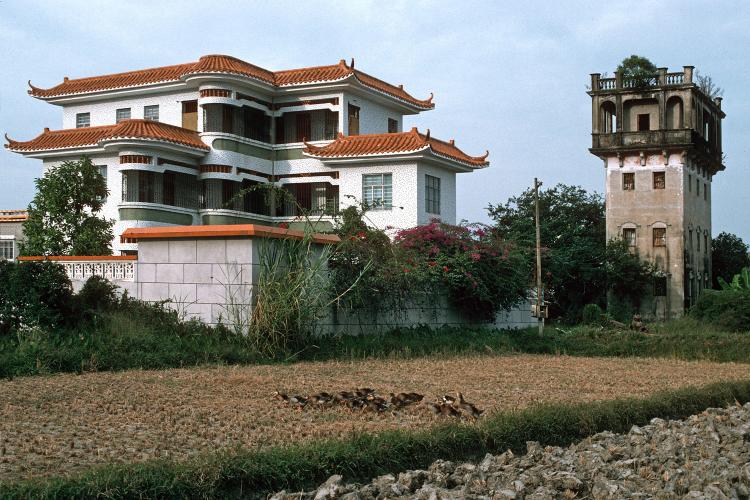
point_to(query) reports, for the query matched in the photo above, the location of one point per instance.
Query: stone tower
(660, 140)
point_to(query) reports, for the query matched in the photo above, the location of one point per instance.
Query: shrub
(728, 309)
(592, 314)
(98, 294)
(33, 293)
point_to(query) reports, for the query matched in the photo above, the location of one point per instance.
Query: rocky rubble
(705, 456)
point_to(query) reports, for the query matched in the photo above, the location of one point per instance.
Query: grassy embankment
(123, 340)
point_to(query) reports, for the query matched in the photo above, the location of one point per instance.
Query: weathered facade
(660, 141)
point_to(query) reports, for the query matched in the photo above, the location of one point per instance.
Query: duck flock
(367, 400)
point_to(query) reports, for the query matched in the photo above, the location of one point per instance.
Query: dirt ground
(66, 423)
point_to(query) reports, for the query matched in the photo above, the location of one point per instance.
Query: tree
(578, 266)
(63, 216)
(638, 70)
(729, 254)
(707, 85)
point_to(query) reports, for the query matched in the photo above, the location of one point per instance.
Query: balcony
(662, 78)
(649, 138)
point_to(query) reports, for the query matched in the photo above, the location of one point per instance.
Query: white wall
(103, 112)
(404, 213)
(373, 117)
(447, 194)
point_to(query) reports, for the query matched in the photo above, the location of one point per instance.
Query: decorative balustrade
(648, 138)
(675, 78)
(660, 79)
(81, 268)
(607, 83)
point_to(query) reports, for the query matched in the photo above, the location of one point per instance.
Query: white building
(178, 143)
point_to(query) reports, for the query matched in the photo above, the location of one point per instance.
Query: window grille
(628, 181)
(83, 120)
(432, 194)
(628, 234)
(151, 112)
(122, 114)
(7, 250)
(659, 180)
(660, 236)
(377, 191)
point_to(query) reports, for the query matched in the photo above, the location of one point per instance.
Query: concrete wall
(430, 311)
(212, 280)
(679, 207)
(447, 194)
(201, 277)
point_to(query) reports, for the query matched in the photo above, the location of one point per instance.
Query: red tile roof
(227, 65)
(402, 142)
(135, 234)
(13, 215)
(92, 136)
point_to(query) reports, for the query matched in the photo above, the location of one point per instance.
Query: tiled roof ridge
(219, 63)
(392, 143)
(13, 215)
(90, 136)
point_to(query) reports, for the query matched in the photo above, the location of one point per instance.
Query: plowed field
(66, 423)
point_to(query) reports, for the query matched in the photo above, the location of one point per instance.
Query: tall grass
(253, 474)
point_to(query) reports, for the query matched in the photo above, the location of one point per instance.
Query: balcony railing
(80, 268)
(647, 138)
(660, 79)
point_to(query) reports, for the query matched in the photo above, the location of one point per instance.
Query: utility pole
(539, 293)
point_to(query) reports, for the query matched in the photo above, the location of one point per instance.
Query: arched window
(608, 118)
(674, 113)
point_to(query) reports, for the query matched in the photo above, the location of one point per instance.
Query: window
(660, 180)
(697, 187)
(690, 183)
(122, 114)
(660, 286)
(168, 188)
(660, 236)
(432, 194)
(303, 127)
(377, 191)
(698, 241)
(7, 250)
(628, 234)
(353, 120)
(392, 126)
(705, 191)
(83, 120)
(151, 112)
(103, 173)
(705, 242)
(628, 182)
(190, 115)
(644, 122)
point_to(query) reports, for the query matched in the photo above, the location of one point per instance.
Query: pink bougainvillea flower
(445, 268)
(362, 235)
(432, 263)
(406, 269)
(475, 256)
(284, 225)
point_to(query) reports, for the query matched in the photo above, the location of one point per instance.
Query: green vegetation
(64, 215)
(685, 339)
(729, 254)
(479, 272)
(579, 267)
(360, 457)
(638, 71)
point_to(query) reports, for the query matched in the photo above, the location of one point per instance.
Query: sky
(509, 77)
